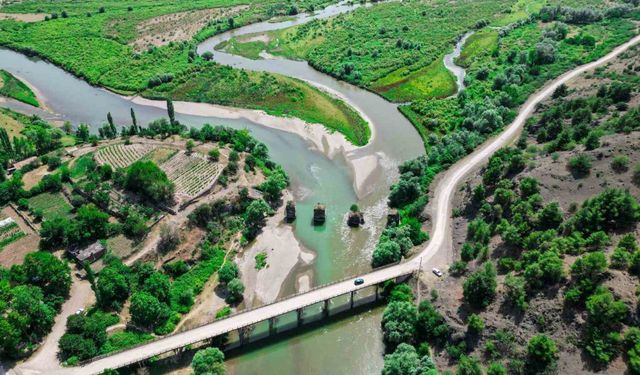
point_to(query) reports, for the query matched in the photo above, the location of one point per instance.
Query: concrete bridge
(246, 318)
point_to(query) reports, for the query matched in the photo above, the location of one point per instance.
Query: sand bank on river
(331, 144)
(283, 251)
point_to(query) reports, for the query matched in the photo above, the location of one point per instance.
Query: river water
(353, 345)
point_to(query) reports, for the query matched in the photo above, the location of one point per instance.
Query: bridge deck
(240, 320)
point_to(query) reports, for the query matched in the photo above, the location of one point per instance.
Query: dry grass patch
(23, 17)
(12, 126)
(161, 30)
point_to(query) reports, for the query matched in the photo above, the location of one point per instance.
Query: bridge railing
(240, 312)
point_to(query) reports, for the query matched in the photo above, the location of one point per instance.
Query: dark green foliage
(27, 312)
(147, 311)
(541, 352)
(605, 315)
(113, 285)
(209, 361)
(401, 293)
(612, 209)
(394, 243)
(254, 218)
(468, 366)
(431, 324)
(228, 272)
(147, 179)
(580, 165)
(235, 288)
(480, 286)
(399, 323)
(406, 361)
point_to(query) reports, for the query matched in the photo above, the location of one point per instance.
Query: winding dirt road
(439, 244)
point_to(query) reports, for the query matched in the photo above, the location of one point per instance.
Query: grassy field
(12, 87)
(390, 48)
(482, 43)
(52, 205)
(10, 122)
(435, 118)
(101, 42)
(275, 94)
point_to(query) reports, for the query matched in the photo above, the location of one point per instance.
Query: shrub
(480, 286)
(620, 164)
(541, 352)
(580, 165)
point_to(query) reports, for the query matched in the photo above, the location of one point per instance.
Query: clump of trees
(147, 179)
(33, 292)
(208, 361)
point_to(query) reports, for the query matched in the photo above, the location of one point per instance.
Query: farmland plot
(121, 155)
(192, 174)
(9, 232)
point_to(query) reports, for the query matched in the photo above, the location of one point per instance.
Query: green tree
(399, 323)
(209, 361)
(228, 272)
(146, 178)
(480, 286)
(254, 217)
(406, 361)
(610, 210)
(112, 287)
(92, 223)
(469, 366)
(235, 288)
(431, 324)
(475, 324)
(580, 165)
(171, 112)
(49, 273)
(158, 285)
(386, 252)
(541, 352)
(147, 311)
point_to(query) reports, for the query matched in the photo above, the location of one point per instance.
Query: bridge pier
(241, 336)
(299, 312)
(377, 294)
(353, 293)
(325, 309)
(272, 326)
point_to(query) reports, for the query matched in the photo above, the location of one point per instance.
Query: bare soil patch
(174, 27)
(15, 252)
(23, 17)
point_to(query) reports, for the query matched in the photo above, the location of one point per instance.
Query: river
(315, 178)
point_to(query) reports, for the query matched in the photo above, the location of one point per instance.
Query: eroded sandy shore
(284, 253)
(317, 136)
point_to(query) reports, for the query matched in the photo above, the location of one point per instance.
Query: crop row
(121, 156)
(192, 174)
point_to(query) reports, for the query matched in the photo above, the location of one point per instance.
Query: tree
(475, 324)
(92, 223)
(496, 368)
(254, 218)
(235, 288)
(386, 252)
(431, 324)
(112, 287)
(403, 192)
(479, 231)
(49, 273)
(147, 179)
(406, 361)
(228, 272)
(214, 154)
(169, 238)
(171, 112)
(515, 291)
(209, 361)
(158, 285)
(189, 146)
(147, 311)
(399, 323)
(550, 217)
(468, 366)
(541, 352)
(609, 210)
(580, 165)
(134, 121)
(620, 164)
(480, 286)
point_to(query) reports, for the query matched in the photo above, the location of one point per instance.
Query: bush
(209, 361)
(235, 288)
(620, 164)
(480, 286)
(147, 179)
(541, 352)
(580, 165)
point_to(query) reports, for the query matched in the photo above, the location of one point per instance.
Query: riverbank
(316, 136)
(283, 255)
